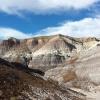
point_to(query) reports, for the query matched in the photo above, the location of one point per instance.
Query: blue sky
(29, 18)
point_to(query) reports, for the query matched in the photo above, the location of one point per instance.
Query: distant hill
(45, 52)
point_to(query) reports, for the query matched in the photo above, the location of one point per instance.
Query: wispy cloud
(83, 28)
(5, 33)
(43, 6)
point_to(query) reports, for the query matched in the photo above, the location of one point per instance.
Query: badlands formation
(67, 67)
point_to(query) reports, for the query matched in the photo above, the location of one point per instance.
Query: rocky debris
(18, 84)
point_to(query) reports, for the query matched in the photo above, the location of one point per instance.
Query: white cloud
(5, 33)
(43, 6)
(83, 28)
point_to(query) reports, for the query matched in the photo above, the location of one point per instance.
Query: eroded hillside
(61, 67)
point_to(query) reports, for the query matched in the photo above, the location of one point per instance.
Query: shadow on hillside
(26, 69)
(20, 66)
